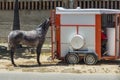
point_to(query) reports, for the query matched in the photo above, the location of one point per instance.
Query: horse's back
(14, 35)
(30, 38)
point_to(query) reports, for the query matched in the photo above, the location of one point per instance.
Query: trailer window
(118, 20)
(108, 20)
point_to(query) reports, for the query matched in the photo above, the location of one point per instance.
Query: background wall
(34, 12)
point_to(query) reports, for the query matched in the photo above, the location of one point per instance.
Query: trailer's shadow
(102, 62)
(109, 62)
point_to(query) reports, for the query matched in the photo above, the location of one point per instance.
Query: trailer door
(117, 35)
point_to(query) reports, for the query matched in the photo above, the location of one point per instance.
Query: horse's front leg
(38, 51)
(12, 50)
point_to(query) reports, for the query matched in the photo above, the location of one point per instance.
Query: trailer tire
(90, 59)
(72, 58)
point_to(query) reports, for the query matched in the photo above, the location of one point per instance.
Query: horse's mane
(42, 24)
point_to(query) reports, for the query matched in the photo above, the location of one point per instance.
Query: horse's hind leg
(38, 50)
(12, 50)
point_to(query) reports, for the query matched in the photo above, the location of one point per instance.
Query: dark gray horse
(34, 38)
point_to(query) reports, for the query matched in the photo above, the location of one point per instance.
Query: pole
(16, 22)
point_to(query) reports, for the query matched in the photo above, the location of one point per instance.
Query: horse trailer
(78, 34)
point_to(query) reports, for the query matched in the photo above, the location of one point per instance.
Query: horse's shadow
(20, 52)
(28, 66)
(4, 53)
(61, 63)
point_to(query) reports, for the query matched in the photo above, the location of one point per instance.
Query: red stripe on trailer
(58, 35)
(98, 35)
(57, 20)
(77, 26)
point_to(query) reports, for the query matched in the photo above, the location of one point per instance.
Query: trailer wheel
(90, 59)
(72, 58)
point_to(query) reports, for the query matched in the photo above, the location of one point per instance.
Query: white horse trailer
(76, 34)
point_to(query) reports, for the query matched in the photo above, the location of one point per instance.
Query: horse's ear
(49, 21)
(49, 18)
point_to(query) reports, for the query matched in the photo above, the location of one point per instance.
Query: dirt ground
(27, 63)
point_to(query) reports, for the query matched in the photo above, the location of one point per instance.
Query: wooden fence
(111, 4)
(31, 5)
(51, 4)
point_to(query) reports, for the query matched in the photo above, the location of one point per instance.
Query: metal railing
(31, 5)
(110, 4)
(52, 4)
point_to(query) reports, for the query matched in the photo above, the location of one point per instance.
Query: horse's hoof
(14, 65)
(39, 64)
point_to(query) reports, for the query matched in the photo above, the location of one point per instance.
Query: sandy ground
(27, 63)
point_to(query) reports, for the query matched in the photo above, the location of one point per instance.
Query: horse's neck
(41, 32)
(43, 28)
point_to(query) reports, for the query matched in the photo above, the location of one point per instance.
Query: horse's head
(44, 26)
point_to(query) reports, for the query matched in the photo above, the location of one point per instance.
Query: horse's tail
(9, 41)
(9, 48)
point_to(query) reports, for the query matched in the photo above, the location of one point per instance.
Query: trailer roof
(78, 10)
